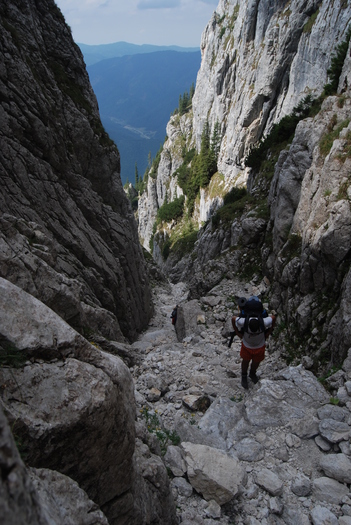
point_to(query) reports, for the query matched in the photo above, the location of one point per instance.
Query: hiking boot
(253, 377)
(244, 382)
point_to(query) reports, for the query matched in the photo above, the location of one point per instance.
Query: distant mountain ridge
(136, 96)
(96, 53)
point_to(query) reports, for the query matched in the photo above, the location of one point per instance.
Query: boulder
(269, 481)
(329, 490)
(19, 501)
(63, 501)
(337, 466)
(59, 404)
(213, 473)
(190, 319)
(281, 402)
(323, 516)
(174, 460)
(334, 431)
(249, 449)
(31, 496)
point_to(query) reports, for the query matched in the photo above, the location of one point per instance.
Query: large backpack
(174, 315)
(252, 308)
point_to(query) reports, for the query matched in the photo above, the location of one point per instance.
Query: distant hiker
(253, 326)
(174, 315)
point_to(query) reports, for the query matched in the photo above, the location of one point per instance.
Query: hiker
(253, 326)
(174, 315)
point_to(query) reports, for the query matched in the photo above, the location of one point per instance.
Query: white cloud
(159, 22)
(158, 4)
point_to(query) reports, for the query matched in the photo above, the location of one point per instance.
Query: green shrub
(235, 194)
(234, 205)
(337, 62)
(185, 244)
(11, 356)
(281, 132)
(171, 210)
(327, 140)
(154, 426)
(222, 31)
(185, 101)
(293, 246)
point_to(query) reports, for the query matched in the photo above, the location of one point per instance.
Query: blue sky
(159, 22)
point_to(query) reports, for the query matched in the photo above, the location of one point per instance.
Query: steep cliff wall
(68, 235)
(259, 60)
(70, 264)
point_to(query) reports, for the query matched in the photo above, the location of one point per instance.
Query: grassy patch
(293, 246)
(310, 22)
(164, 436)
(328, 138)
(342, 193)
(185, 244)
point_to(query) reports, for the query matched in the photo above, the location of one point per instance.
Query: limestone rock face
(164, 184)
(67, 231)
(19, 502)
(59, 408)
(258, 62)
(40, 496)
(63, 501)
(72, 408)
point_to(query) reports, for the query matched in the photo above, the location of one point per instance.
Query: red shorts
(256, 354)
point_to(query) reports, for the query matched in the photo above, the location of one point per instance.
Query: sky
(158, 22)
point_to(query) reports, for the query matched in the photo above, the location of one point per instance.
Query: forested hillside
(136, 96)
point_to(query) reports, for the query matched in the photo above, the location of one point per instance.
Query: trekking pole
(232, 334)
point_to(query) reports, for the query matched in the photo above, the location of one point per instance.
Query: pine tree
(216, 140)
(137, 180)
(192, 91)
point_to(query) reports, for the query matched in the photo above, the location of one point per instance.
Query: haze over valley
(137, 91)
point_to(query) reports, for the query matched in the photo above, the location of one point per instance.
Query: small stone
(213, 510)
(183, 487)
(270, 482)
(301, 486)
(322, 444)
(334, 431)
(329, 490)
(323, 516)
(276, 506)
(153, 395)
(292, 441)
(195, 403)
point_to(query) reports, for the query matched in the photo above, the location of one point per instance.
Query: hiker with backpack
(253, 326)
(174, 315)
